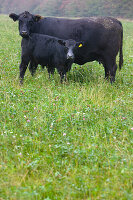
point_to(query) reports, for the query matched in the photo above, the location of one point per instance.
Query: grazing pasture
(65, 141)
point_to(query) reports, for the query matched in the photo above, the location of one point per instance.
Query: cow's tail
(121, 51)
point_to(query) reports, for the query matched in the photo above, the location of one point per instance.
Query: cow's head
(26, 22)
(71, 46)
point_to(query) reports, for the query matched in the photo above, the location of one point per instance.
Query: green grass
(65, 141)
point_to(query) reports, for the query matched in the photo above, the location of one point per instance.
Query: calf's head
(26, 22)
(71, 46)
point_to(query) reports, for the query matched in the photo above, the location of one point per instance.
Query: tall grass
(65, 141)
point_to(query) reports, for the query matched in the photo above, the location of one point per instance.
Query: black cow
(47, 51)
(102, 36)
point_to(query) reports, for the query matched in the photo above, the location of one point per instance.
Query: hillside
(72, 8)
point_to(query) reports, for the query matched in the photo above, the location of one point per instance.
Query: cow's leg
(110, 68)
(106, 73)
(22, 68)
(50, 70)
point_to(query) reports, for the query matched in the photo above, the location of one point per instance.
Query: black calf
(47, 51)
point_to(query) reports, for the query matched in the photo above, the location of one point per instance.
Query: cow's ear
(14, 16)
(62, 42)
(37, 18)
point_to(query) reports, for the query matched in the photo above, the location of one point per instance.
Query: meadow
(65, 141)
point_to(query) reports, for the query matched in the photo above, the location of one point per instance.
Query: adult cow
(102, 36)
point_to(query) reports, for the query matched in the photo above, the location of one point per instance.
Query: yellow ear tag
(80, 45)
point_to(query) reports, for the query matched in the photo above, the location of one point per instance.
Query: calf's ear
(80, 44)
(14, 16)
(62, 42)
(37, 18)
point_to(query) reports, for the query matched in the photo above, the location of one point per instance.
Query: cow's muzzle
(24, 34)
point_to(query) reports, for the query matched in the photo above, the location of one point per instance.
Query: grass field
(65, 141)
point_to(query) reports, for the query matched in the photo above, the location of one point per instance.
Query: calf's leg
(32, 67)
(62, 73)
